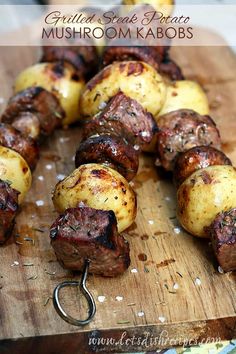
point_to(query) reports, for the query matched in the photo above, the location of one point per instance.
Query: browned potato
(99, 187)
(203, 195)
(196, 158)
(60, 79)
(135, 79)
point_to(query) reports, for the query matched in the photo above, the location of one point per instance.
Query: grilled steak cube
(124, 117)
(8, 209)
(223, 236)
(85, 233)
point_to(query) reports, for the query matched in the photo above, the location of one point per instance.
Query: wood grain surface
(161, 257)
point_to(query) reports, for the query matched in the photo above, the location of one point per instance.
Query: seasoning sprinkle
(161, 319)
(119, 298)
(177, 230)
(134, 270)
(179, 274)
(47, 301)
(29, 239)
(19, 243)
(39, 202)
(101, 298)
(28, 264)
(38, 230)
(49, 273)
(140, 314)
(123, 322)
(33, 277)
(60, 177)
(48, 167)
(176, 286)
(131, 304)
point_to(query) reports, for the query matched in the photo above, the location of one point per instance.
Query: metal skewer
(86, 293)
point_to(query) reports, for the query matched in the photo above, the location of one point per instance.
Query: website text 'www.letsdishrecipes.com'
(147, 341)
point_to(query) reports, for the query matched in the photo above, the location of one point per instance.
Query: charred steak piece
(181, 130)
(83, 58)
(170, 69)
(146, 54)
(124, 115)
(85, 233)
(41, 103)
(110, 150)
(223, 236)
(24, 145)
(8, 209)
(196, 158)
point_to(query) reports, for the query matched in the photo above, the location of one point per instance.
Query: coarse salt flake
(101, 298)
(161, 319)
(63, 140)
(151, 222)
(136, 147)
(40, 178)
(167, 199)
(39, 202)
(119, 298)
(134, 270)
(102, 105)
(143, 134)
(48, 167)
(60, 177)
(197, 281)
(140, 314)
(177, 230)
(14, 264)
(220, 270)
(176, 286)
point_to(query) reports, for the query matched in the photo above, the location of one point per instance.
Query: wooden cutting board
(172, 285)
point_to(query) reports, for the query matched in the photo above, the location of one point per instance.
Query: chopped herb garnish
(33, 277)
(47, 301)
(74, 227)
(50, 273)
(58, 115)
(37, 229)
(28, 264)
(123, 322)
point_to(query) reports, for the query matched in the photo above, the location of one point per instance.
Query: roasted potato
(135, 79)
(164, 6)
(15, 170)
(98, 187)
(185, 94)
(203, 195)
(59, 78)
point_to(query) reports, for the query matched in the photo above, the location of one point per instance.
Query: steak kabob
(46, 98)
(187, 140)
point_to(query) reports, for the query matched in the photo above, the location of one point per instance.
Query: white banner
(183, 25)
